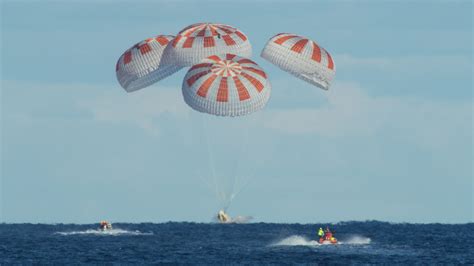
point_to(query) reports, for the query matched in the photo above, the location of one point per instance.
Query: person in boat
(321, 233)
(328, 234)
(104, 225)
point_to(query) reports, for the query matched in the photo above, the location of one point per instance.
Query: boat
(104, 226)
(327, 238)
(324, 240)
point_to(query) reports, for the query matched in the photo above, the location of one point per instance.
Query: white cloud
(346, 110)
(24, 102)
(140, 108)
(349, 112)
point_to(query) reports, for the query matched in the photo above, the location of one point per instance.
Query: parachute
(200, 40)
(226, 86)
(140, 66)
(301, 57)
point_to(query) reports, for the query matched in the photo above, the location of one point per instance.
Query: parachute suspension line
(208, 184)
(243, 154)
(237, 186)
(248, 178)
(197, 137)
(241, 188)
(205, 125)
(235, 174)
(251, 174)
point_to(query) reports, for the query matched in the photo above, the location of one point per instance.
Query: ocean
(368, 242)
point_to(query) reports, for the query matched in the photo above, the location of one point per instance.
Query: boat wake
(113, 232)
(356, 240)
(235, 220)
(240, 220)
(297, 240)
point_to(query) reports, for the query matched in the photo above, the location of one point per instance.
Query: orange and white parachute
(301, 57)
(227, 85)
(200, 40)
(141, 65)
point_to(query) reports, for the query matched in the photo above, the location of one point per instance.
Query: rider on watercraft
(320, 232)
(327, 237)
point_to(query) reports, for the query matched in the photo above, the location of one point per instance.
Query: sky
(391, 140)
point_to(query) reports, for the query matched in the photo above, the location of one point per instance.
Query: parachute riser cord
(208, 179)
(251, 174)
(242, 155)
(230, 174)
(192, 138)
(237, 186)
(249, 179)
(205, 123)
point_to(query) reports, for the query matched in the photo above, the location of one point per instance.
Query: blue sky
(391, 140)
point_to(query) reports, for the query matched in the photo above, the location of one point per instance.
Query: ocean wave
(112, 232)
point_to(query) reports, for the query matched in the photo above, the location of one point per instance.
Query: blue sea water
(369, 242)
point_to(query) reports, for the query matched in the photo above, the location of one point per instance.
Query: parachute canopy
(198, 41)
(301, 57)
(140, 66)
(226, 85)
